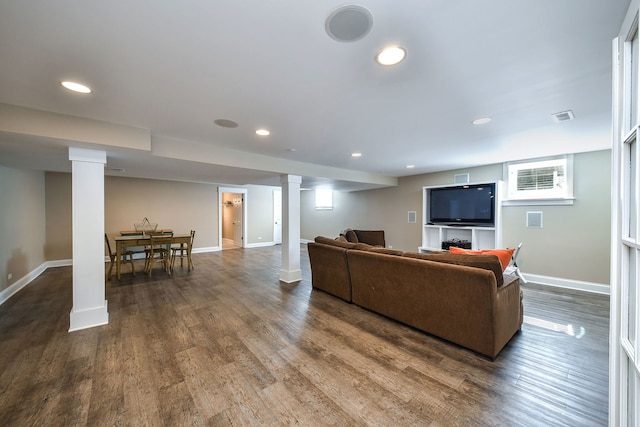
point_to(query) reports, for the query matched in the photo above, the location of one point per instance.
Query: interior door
(237, 219)
(277, 217)
(624, 351)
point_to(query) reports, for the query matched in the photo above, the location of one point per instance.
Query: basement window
(547, 181)
(324, 198)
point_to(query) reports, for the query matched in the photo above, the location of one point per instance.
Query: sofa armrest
(507, 306)
(330, 269)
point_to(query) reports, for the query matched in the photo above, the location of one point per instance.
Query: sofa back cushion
(350, 235)
(334, 242)
(379, 250)
(372, 237)
(486, 262)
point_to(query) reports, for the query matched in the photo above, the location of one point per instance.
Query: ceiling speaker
(349, 23)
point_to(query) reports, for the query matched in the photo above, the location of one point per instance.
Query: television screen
(462, 205)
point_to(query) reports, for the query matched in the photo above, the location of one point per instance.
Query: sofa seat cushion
(486, 262)
(504, 254)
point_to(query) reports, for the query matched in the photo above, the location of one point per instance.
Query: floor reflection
(571, 330)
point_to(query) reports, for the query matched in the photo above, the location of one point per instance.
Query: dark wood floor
(228, 344)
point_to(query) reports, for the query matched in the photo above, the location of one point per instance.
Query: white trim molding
(88, 317)
(578, 285)
(259, 245)
(206, 249)
(30, 277)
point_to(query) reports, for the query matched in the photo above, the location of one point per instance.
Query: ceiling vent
(349, 23)
(563, 116)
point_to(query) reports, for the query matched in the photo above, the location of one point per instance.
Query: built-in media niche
(468, 214)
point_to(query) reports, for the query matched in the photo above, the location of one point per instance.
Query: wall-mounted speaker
(534, 219)
(411, 217)
(461, 178)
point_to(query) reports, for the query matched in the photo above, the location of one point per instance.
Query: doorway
(232, 218)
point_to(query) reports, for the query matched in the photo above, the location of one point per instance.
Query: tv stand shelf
(481, 237)
(434, 235)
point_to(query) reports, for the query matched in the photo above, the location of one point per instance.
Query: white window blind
(324, 198)
(540, 179)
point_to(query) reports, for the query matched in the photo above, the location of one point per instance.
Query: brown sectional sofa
(465, 299)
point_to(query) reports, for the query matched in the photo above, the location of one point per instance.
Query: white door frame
(624, 354)
(234, 190)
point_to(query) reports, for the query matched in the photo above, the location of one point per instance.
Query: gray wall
(22, 223)
(574, 243)
(180, 206)
(260, 214)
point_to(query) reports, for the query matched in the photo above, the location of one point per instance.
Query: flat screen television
(463, 205)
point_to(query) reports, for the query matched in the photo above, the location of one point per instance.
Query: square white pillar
(290, 271)
(87, 188)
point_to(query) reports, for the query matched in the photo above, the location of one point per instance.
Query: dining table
(131, 239)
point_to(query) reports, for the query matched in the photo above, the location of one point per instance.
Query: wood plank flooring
(228, 344)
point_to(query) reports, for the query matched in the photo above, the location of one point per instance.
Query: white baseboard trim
(21, 283)
(259, 245)
(31, 276)
(89, 318)
(578, 285)
(60, 263)
(305, 241)
(206, 249)
(290, 276)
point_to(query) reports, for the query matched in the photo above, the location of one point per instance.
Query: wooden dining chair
(158, 249)
(126, 255)
(183, 249)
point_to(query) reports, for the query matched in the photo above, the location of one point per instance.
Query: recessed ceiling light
(411, 166)
(117, 170)
(391, 55)
(481, 121)
(263, 132)
(76, 87)
(356, 154)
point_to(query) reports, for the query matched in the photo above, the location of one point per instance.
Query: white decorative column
(87, 188)
(290, 271)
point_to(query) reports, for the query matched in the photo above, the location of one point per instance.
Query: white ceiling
(175, 67)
